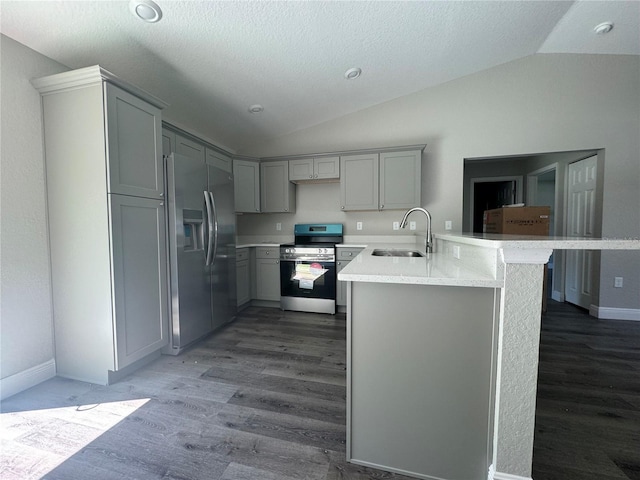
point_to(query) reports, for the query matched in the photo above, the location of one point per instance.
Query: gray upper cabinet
(140, 277)
(277, 194)
(189, 148)
(309, 169)
(246, 177)
(301, 169)
(168, 142)
(400, 179)
(359, 182)
(380, 181)
(134, 140)
(219, 160)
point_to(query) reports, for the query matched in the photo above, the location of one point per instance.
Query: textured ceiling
(211, 60)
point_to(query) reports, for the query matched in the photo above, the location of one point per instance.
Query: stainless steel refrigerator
(202, 258)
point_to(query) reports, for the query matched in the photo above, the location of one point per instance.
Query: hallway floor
(588, 402)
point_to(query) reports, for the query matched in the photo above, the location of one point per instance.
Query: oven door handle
(307, 259)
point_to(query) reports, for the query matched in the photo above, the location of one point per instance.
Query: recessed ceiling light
(603, 28)
(352, 73)
(256, 108)
(146, 10)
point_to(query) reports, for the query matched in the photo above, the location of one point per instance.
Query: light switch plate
(278, 226)
(448, 225)
(412, 225)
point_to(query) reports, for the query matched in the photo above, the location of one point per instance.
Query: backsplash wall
(320, 203)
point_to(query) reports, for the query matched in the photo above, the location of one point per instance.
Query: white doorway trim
(532, 189)
(557, 259)
(509, 178)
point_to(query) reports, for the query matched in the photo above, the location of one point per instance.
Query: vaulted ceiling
(211, 60)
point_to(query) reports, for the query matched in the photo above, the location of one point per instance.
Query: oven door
(308, 278)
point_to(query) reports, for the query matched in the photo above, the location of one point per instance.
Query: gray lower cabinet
(267, 271)
(105, 182)
(277, 194)
(139, 264)
(343, 256)
(381, 181)
(246, 178)
(243, 276)
(420, 370)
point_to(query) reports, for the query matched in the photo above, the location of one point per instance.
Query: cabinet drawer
(348, 253)
(267, 252)
(242, 254)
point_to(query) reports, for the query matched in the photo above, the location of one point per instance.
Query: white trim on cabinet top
(401, 148)
(93, 75)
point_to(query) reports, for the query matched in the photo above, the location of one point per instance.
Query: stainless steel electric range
(308, 268)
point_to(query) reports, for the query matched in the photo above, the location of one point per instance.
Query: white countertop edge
(247, 245)
(431, 270)
(526, 242)
(442, 281)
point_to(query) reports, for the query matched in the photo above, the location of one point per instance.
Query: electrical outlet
(617, 282)
(412, 225)
(448, 225)
(358, 225)
(396, 225)
(278, 226)
(456, 251)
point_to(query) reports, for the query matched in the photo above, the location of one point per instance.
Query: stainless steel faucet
(429, 246)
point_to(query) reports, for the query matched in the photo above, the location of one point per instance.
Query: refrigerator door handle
(215, 228)
(209, 249)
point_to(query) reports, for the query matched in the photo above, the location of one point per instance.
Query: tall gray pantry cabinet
(105, 189)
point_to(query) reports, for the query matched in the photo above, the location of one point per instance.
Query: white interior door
(581, 195)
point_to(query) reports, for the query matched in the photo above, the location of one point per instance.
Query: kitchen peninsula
(442, 354)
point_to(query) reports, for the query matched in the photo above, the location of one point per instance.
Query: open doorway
(546, 184)
(488, 193)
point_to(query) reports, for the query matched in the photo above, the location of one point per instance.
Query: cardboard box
(517, 220)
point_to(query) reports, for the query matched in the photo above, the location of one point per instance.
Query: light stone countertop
(434, 269)
(263, 244)
(440, 268)
(530, 242)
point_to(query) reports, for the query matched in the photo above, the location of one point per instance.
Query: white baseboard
(26, 379)
(508, 476)
(557, 296)
(612, 313)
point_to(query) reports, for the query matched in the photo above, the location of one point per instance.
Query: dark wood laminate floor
(588, 403)
(264, 399)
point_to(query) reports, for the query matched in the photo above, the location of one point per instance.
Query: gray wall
(321, 203)
(542, 103)
(25, 309)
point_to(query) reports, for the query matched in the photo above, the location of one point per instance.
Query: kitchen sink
(379, 252)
